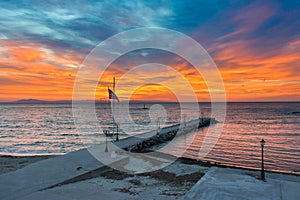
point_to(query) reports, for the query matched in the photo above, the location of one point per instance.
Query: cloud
(255, 47)
(75, 23)
(32, 70)
(255, 44)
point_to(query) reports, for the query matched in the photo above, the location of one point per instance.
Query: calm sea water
(35, 129)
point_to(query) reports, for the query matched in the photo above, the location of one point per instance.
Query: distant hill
(35, 101)
(29, 101)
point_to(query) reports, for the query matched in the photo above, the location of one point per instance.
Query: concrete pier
(165, 134)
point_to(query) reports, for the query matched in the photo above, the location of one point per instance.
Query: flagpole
(113, 109)
(117, 131)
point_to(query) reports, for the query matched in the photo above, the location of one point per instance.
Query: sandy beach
(12, 163)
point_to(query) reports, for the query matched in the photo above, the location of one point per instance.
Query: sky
(254, 44)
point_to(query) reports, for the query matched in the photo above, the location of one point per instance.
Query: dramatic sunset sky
(255, 45)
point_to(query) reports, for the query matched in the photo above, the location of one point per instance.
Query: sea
(49, 129)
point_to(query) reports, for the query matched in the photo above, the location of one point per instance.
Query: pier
(139, 142)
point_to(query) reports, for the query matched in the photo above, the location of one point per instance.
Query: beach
(12, 163)
(183, 179)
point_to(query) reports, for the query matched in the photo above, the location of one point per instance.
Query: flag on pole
(112, 95)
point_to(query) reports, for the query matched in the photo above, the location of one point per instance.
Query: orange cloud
(160, 80)
(26, 54)
(254, 77)
(153, 92)
(31, 71)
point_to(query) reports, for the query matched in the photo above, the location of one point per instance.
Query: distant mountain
(35, 101)
(29, 101)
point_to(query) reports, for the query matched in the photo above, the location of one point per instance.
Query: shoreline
(181, 179)
(10, 163)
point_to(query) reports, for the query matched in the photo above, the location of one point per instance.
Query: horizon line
(34, 101)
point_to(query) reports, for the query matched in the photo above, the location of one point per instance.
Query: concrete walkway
(235, 184)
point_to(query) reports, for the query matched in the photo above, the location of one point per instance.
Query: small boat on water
(145, 108)
(294, 113)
